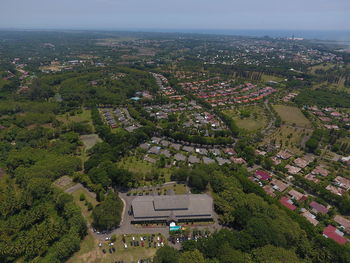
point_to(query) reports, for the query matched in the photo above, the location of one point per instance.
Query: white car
(133, 238)
(125, 245)
(107, 238)
(100, 244)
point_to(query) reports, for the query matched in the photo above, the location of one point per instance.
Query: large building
(172, 208)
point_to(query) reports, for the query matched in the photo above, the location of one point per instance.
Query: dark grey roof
(181, 206)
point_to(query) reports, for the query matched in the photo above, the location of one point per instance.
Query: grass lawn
(292, 115)
(81, 117)
(76, 196)
(266, 78)
(90, 252)
(288, 137)
(142, 168)
(90, 140)
(250, 118)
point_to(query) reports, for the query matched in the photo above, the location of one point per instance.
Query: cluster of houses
(190, 116)
(164, 86)
(119, 117)
(181, 152)
(295, 200)
(330, 117)
(290, 96)
(224, 93)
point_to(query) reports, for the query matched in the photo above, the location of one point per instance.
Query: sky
(176, 14)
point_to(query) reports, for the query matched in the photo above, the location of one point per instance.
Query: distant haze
(176, 14)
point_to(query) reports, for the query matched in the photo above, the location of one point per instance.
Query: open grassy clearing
(82, 204)
(292, 116)
(178, 189)
(84, 116)
(64, 182)
(288, 138)
(142, 168)
(266, 78)
(250, 118)
(326, 66)
(90, 140)
(90, 252)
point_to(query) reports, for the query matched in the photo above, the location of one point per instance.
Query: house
(193, 159)
(278, 185)
(333, 233)
(297, 195)
(345, 223)
(156, 140)
(275, 160)
(335, 190)
(310, 217)
(342, 182)
(188, 149)
(222, 161)
(318, 208)
(229, 151)
(207, 160)
(202, 151)
(149, 159)
(284, 155)
(165, 152)
(154, 150)
(261, 153)
(269, 190)
(238, 160)
(287, 203)
(292, 169)
(180, 157)
(312, 177)
(145, 146)
(319, 170)
(165, 143)
(176, 146)
(262, 175)
(300, 162)
(215, 151)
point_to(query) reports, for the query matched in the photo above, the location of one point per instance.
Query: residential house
(335, 190)
(188, 149)
(222, 161)
(300, 162)
(342, 182)
(292, 169)
(297, 195)
(278, 185)
(333, 233)
(287, 203)
(269, 190)
(344, 222)
(262, 175)
(312, 177)
(310, 217)
(319, 170)
(180, 157)
(284, 155)
(207, 160)
(154, 150)
(318, 208)
(193, 159)
(238, 160)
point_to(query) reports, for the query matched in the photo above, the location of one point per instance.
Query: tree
(166, 254)
(192, 257)
(107, 214)
(271, 254)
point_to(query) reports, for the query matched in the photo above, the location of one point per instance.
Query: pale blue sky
(176, 14)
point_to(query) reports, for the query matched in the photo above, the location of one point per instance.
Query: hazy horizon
(180, 15)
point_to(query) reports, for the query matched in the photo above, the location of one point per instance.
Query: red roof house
(262, 175)
(319, 208)
(287, 203)
(333, 233)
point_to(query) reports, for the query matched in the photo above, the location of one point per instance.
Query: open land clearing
(90, 252)
(288, 137)
(249, 118)
(292, 116)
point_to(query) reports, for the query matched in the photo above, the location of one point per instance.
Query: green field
(266, 78)
(292, 116)
(90, 252)
(142, 168)
(288, 138)
(84, 116)
(81, 204)
(249, 118)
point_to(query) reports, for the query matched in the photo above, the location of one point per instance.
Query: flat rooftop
(189, 206)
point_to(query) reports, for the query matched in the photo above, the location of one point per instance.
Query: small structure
(262, 175)
(310, 217)
(345, 223)
(278, 185)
